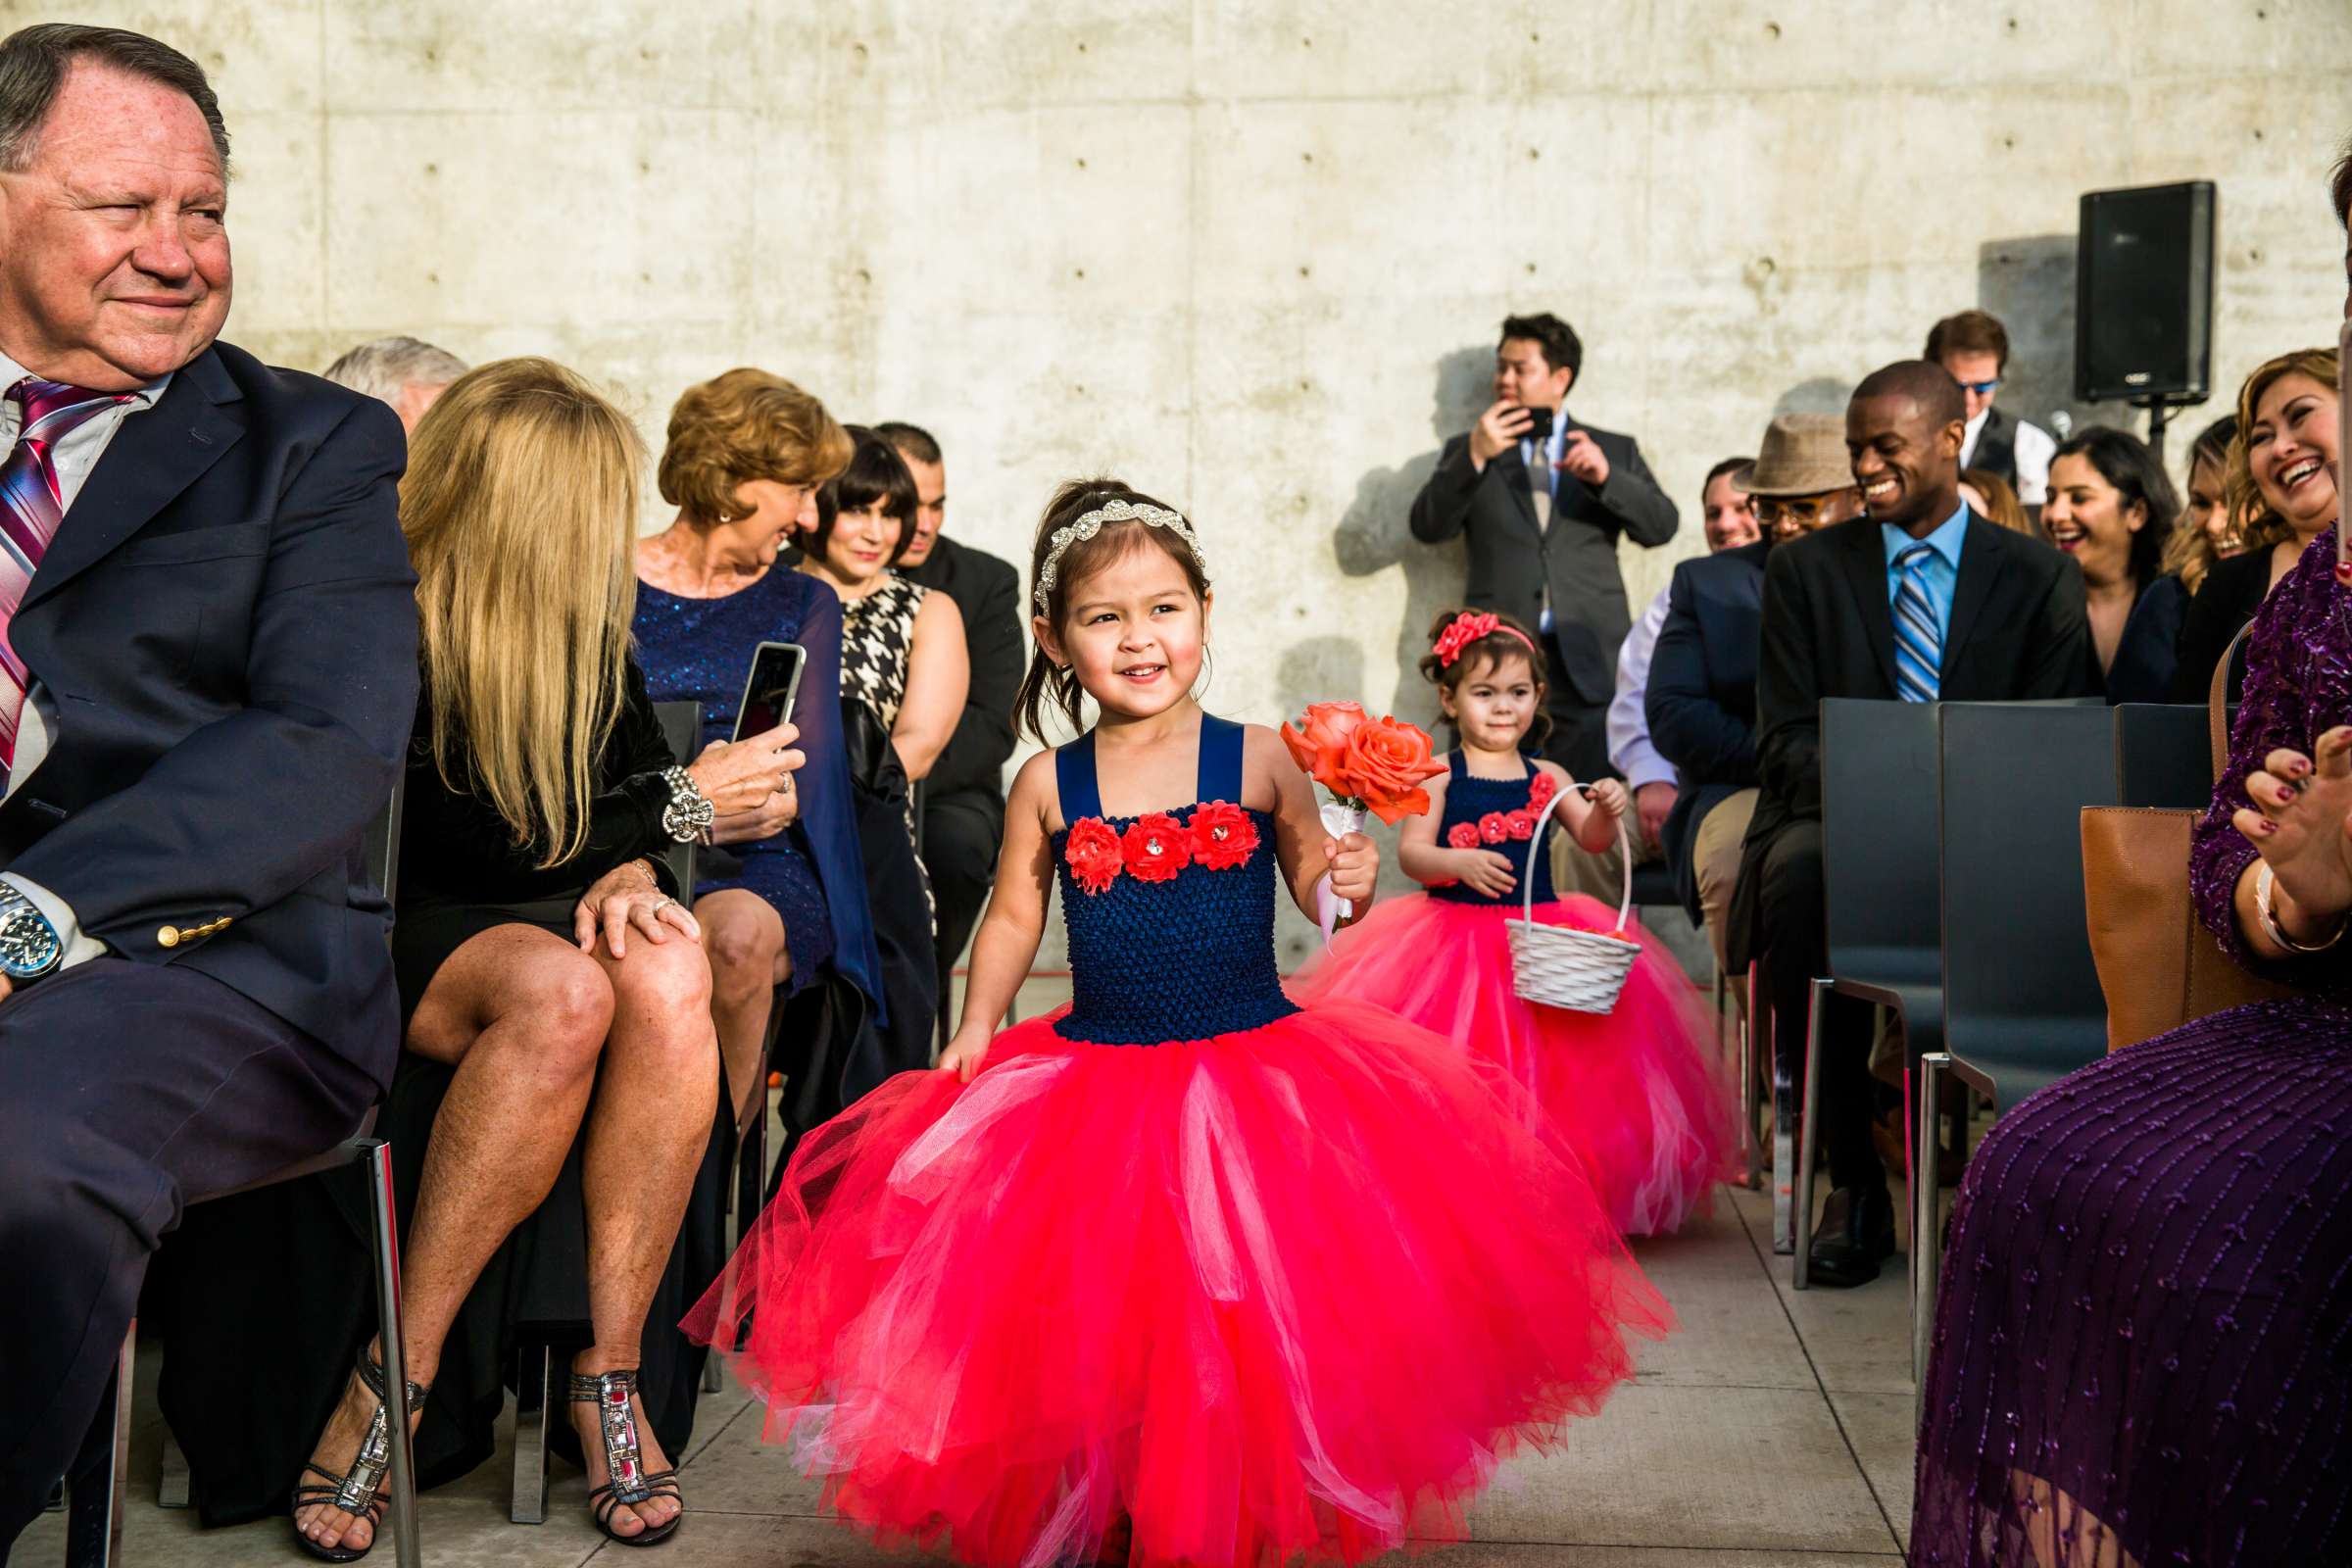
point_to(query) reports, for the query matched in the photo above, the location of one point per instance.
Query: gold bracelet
(2263, 883)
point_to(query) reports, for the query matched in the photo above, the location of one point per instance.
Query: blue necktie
(1918, 645)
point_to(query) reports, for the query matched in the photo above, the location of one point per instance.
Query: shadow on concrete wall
(1823, 394)
(1375, 534)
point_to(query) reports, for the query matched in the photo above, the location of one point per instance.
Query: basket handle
(1534, 846)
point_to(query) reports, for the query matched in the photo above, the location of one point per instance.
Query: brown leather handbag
(2158, 966)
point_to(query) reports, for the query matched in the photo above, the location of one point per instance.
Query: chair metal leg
(1808, 1133)
(1784, 1117)
(1927, 1257)
(172, 1479)
(1750, 1094)
(534, 1402)
(102, 1474)
(375, 1155)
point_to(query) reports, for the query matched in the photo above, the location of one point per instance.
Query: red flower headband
(1468, 627)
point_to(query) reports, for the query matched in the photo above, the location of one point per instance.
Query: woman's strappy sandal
(357, 1491)
(627, 1483)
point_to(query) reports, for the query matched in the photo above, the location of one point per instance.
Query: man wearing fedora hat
(1702, 700)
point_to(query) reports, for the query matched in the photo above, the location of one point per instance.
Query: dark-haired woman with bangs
(2112, 509)
(902, 645)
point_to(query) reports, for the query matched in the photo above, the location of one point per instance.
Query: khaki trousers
(1715, 864)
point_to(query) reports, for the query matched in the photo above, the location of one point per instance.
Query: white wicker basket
(1559, 966)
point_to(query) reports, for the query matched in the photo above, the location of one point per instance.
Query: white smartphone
(769, 691)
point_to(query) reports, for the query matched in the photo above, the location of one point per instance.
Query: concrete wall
(1250, 256)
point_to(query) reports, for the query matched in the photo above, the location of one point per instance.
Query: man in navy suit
(1702, 699)
(208, 669)
(1541, 501)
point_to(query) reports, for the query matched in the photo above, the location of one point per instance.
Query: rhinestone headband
(1085, 527)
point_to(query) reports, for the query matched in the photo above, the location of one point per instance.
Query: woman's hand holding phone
(738, 776)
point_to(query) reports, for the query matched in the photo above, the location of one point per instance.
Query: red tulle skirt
(1293, 1291)
(1635, 1090)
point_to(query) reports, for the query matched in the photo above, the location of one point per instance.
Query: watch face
(28, 947)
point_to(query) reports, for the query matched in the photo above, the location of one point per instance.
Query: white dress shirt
(1630, 750)
(74, 457)
(2034, 448)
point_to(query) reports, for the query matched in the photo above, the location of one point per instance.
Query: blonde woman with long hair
(544, 959)
(2278, 503)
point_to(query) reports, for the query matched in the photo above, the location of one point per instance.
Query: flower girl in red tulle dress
(1633, 1087)
(1184, 1273)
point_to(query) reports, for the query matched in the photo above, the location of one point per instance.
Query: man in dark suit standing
(1919, 601)
(209, 671)
(964, 799)
(1702, 697)
(1541, 501)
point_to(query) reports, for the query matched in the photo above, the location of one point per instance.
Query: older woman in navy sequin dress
(2144, 1355)
(746, 454)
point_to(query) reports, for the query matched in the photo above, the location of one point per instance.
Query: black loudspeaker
(2143, 294)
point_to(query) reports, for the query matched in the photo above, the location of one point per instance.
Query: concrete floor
(1773, 1430)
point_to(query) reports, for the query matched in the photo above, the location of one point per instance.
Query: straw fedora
(1804, 455)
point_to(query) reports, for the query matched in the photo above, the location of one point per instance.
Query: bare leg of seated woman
(647, 1127)
(524, 1018)
(745, 938)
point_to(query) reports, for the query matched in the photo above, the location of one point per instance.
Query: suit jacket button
(167, 937)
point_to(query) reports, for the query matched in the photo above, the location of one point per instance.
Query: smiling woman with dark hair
(2112, 509)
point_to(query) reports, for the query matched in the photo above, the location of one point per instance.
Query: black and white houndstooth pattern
(877, 634)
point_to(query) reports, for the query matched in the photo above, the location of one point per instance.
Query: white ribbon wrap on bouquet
(1338, 821)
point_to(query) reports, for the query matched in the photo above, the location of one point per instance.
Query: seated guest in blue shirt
(1702, 702)
(781, 896)
(2112, 509)
(1919, 601)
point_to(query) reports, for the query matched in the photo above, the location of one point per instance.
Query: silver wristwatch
(689, 811)
(29, 944)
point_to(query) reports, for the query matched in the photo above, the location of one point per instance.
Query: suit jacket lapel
(1865, 560)
(154, 456)
(1567, 488)
(1516, 480)
(1979, 571)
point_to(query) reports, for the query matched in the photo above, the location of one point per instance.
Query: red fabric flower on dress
(1462, 835)
(1493, 830)
(1223, 836)
(1157, 848)
(1540, 790)
(1092, 854)
(1522, 824)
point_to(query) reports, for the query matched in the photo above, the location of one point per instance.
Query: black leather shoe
(1856, 1235)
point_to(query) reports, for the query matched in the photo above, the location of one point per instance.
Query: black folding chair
(1879, 881)
(2022, 1001)
(94, 1492)
(2163, 755)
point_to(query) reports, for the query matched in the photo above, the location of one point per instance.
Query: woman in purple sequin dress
(2144, 1352)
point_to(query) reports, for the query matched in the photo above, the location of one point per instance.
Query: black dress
(265, 1298)
(2149, 647)
(2225, 602)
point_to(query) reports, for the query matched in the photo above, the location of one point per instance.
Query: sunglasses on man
(1983, 389)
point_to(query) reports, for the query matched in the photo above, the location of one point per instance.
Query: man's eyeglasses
(1983, 389)
(1803, 512)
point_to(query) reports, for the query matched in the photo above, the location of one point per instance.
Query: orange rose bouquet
(1372, 767)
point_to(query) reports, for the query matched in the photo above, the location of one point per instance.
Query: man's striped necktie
(1918, 645)
(30, 507)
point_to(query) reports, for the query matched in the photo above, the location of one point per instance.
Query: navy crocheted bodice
(1468, 799)
(1157, 956)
